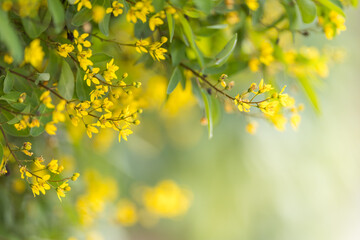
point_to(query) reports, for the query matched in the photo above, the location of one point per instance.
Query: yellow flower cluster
(167, 199)
(34, 54)
(265, 56)
(307, 61)
(252, 4)
(272, 107)
(99, 190)
(27, 122)
(116, 8)
(25, 8)
(139, 11)
(101, 106)
(43, 177)
(126, 213)
(83, 3)
(155, 50)
(332, 23)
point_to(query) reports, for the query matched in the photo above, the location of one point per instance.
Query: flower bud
(75, 176)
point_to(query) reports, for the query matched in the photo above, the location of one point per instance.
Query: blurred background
(302, 184)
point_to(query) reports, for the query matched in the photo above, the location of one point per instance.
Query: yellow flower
(285, 100)
(158, 54)
(80, 39)
(98, 13)
(252, 4)
(155, 21)
(7, 5)
(35, 189)
(279, 122)
(141, 46)
(254, 64)
(329, 31)
(126, 213)
(241, 104)
(232, 17)
(50, 128)
(42, 184)
(269, 107)
(264, 87)
(251, 127)
(83, 56)
(97, 93)
(53, 166)
(139, 11)
(266, 51)
(123, 133)
(46, 99)
(167, 199)
(60, 191)
(109, 74)
(90, 76)
(22, 97)
(65, 49)
(295, 120)
(91, 129)
(81, 3)
(155, 50)
(8, 59)
(38, 162)
(34, 54)
(116, 8)
(23, 171)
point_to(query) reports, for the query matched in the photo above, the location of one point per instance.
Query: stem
(32, 80)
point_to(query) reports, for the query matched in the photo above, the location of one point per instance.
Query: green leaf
(158, 5)
(354, 2)
(1, 153)
(105, 23)
(171, 24)
(177, 50)
(11, 97)
(8, 82)
(100, 59)
(225, 53)
(215, 110)
(204, 5)
(142, 30)
(42, 77)
(10, 129)
(66, 82)
(58, 15)
(84, 15)
(307, 10)
(218, 26)
(310, 93)
(34, 29)
(208, 110)
(191, 38)
(16, 119)
(332, 6)
(176, 77)
(291, 15)
(82, 90)
(10, 38)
